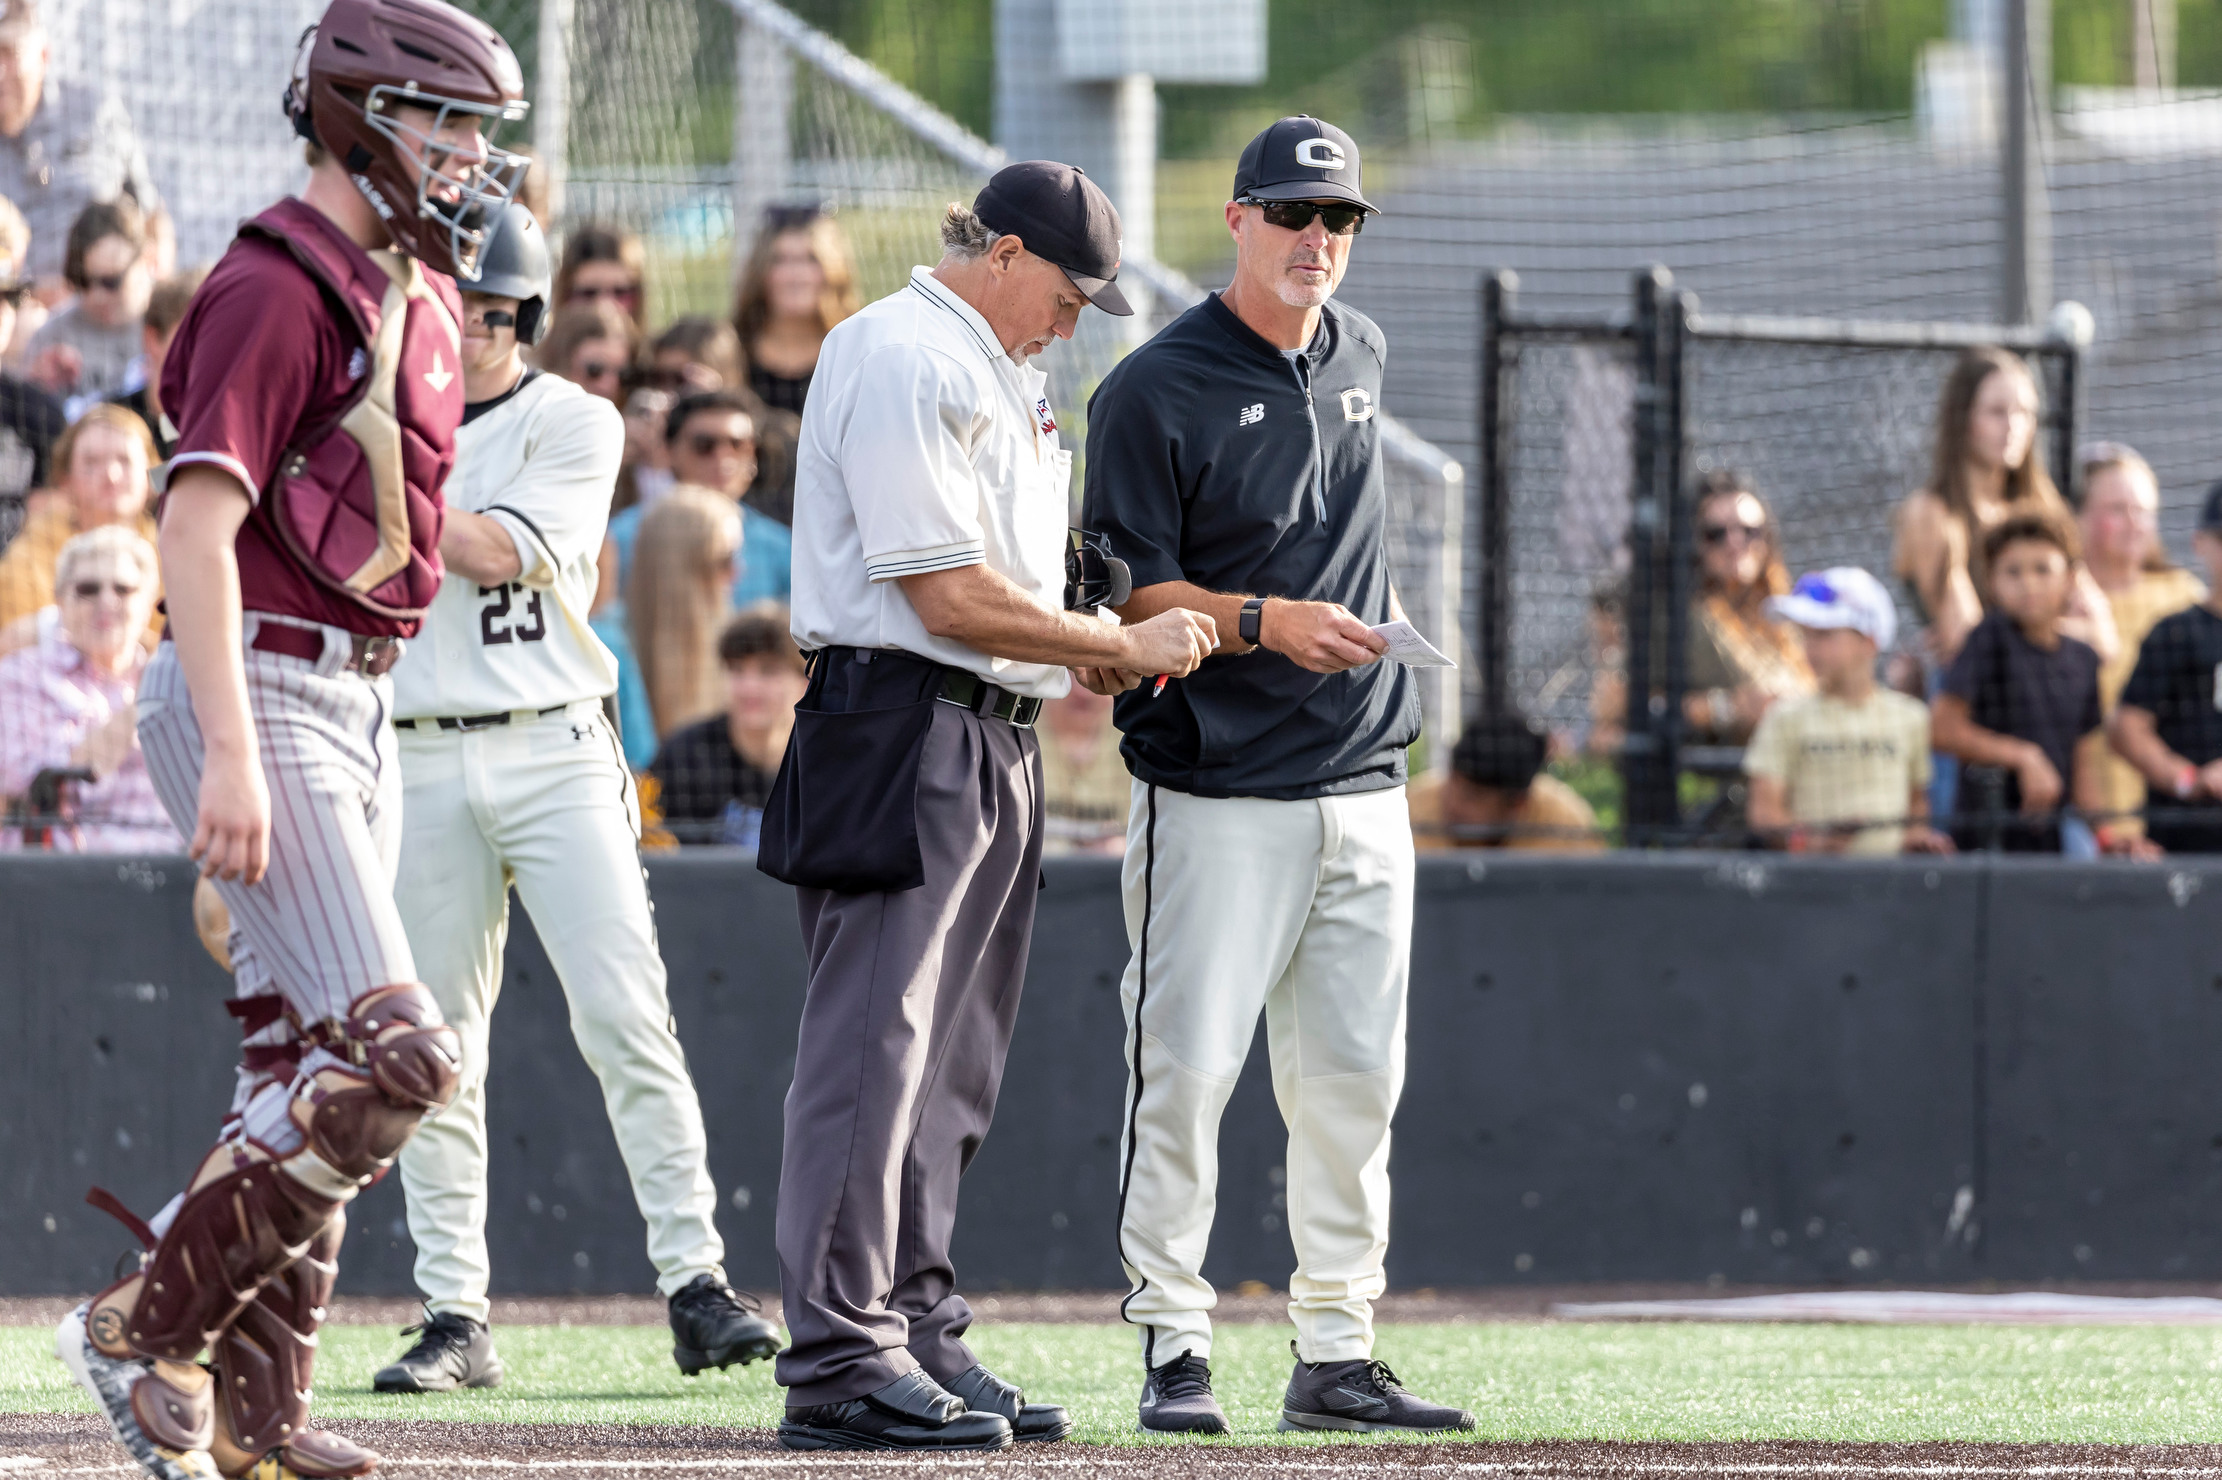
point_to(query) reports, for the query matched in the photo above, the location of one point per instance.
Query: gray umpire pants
(911, 1001)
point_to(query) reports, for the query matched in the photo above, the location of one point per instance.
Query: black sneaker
(717, 1325)
(1361, 1397)
(912, 1412)
(984, 1392)
(1176, 1398)
(452, 1352)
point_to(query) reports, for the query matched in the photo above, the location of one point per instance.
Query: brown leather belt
(369, 656)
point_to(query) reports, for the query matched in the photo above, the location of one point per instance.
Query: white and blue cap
(1843, 596)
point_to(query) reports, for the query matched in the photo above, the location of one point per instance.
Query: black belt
(983, 698)
(470, 721)
(958, 686)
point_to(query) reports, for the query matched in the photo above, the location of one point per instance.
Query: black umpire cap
(1301, 158)
(1064, 217)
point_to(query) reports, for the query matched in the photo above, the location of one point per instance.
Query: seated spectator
(1740, 658)
(2020, 696)
(591, 345)
(30, 313)
(165, 309)
(696, 355)
(2168, 725)
(1085, 785)
(30, 419)
(799, 282)
(63, 146)
(604, 264)
(1845, 769)
(646, 470)
(677, 601)
(84, 352)
(66, 704)
(2120, 524)
(1497, 795)
(713, 445)
(713, 777)
(102, 463)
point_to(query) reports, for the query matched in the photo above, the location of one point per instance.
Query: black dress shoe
(984, 1392)
(715, 1325)
(912, 1412)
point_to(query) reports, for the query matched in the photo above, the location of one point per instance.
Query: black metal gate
(1593, 430)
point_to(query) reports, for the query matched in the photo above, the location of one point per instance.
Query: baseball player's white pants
(547, 805)
(1302, 910)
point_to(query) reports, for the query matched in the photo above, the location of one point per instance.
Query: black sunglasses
(107, 282)
(90, 590)
(1297, 215)
(1719, 534)
(705, 444)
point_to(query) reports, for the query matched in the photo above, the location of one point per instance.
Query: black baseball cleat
(1360, 1397)
(912, 1412)
(717, 1325)
(984, 1392)
(1176, 1398)
(452, 1352)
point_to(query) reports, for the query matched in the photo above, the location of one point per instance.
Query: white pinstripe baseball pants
(321, 928)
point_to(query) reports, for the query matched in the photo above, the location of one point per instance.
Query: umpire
(930, 535)
(1234, 462)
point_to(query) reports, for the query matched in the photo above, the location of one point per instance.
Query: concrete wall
(1624, 1068)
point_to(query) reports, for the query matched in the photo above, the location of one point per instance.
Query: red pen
(1160, 687)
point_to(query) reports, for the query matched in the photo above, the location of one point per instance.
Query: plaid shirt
(50, 700)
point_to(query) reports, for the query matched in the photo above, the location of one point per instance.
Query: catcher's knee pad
(232, 1234)
(265, 1358)
(405, 1061)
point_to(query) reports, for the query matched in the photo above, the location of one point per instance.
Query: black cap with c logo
(1300, 158)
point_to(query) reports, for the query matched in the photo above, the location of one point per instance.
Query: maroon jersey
(327, 380)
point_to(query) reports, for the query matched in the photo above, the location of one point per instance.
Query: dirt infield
(42, 1445)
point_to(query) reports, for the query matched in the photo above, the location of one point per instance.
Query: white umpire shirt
(925, 448)
(540, 461)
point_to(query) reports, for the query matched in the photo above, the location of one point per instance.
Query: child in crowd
(2021, 695)
(2167, 725)
(1844, 770)
(1497, 794)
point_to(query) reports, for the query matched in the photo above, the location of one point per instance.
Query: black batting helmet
(515, 264)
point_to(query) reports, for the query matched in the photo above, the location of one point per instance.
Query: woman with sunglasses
(604, 264)
(102, 462)
(592, 345)
(68, 703)
(86, 351)
(800, 281)
(1740, 658)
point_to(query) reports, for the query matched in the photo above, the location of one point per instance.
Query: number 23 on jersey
(497, 623)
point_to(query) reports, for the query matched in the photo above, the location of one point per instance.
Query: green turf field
(2085, 1384)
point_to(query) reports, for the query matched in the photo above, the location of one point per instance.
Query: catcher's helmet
(514, 263)
(368, 59)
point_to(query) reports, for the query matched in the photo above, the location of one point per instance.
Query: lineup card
(1409, 648)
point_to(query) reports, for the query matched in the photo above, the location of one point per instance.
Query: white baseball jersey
(542, 461)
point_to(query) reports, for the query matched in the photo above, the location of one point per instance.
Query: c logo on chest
(1357, 404)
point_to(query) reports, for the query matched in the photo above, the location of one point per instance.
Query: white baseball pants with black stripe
(1301, 910)
(547, 805)
(320, 929)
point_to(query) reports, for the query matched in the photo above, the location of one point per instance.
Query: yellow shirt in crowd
(1844, 762)
(2157, 594)
(1552, 819)
(1083, 802)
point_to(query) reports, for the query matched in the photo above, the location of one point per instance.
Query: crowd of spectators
(2060, 695)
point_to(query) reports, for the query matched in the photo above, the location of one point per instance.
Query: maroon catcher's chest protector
(346, 524)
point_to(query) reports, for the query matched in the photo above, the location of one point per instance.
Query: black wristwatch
(1246, 626)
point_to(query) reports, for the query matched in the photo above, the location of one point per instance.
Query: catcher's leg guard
(263, 1363)
(403, 1061)
(243, 1222)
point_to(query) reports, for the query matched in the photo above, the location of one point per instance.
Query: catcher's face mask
(1094, 577)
